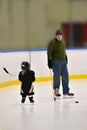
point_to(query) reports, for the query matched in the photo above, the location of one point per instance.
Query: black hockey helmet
(25, 65)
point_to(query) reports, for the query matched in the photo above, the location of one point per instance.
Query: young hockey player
(26, 76)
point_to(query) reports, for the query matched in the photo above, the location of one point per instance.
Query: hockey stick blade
(5, 70)
(8, 72)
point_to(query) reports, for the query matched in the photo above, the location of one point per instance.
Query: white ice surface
(45, 113)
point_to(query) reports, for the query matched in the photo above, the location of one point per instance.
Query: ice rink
(45, 113)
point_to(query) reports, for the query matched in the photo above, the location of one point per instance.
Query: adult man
(57, 61)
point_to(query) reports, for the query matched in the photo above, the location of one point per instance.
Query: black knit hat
(59, 32)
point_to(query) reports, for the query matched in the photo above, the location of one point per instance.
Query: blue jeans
(60, 69)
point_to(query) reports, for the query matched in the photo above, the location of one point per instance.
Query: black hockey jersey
(26, 82)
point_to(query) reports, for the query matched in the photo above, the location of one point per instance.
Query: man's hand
(66, 59)
(50, 64)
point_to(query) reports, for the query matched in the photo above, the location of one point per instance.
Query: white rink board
(12, 61)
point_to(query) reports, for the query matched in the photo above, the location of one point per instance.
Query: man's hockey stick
(8, 72)
(52, 85)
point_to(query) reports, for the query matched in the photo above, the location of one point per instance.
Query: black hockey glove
(50, 64)
(66, 59)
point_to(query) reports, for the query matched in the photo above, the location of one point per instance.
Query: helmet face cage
(25, 65)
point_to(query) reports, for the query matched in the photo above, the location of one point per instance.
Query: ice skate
(31, 100)
(68, 95)
(23, 100)
(56, 94)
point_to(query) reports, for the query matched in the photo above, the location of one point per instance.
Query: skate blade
(56, 97)
(67, 97)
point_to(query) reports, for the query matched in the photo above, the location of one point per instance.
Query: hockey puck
(76, 101)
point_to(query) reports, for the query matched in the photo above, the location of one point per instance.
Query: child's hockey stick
(8, 72)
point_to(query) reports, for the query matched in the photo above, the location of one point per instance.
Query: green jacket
(56, 50)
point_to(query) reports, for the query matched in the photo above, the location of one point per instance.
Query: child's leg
(23, 99)
(31, 99)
